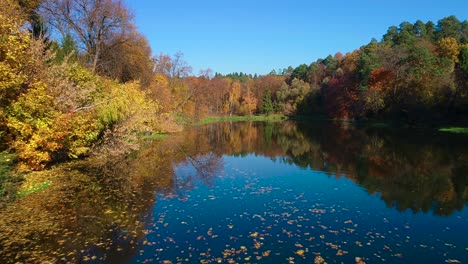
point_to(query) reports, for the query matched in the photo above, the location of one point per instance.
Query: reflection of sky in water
(257, 210)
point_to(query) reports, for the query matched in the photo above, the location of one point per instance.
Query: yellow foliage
(57, 111)
(15, 52)
(126, 101)
(159, 90)
(449, 47)
(41, 131)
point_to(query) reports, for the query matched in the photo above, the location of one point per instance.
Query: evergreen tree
(267, 104)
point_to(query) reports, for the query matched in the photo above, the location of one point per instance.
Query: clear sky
(256, 36)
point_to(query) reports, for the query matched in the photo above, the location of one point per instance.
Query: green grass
(457, 130)
(34, 188)
(209, 120)
(156, 136)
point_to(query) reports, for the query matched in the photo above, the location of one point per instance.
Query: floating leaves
(243, 214)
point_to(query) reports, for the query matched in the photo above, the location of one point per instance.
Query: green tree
(391, 35)
(300, 72)
(419, 29)
(448, 27)
(430, 30)
(267, 104)
(67, 50)
(367, 62)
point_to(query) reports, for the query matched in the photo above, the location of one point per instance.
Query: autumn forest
(78, 73)
(101, 138)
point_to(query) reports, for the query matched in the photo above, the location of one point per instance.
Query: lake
(255, 192)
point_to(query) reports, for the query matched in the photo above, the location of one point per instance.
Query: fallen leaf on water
(359, 260)
(319, 260)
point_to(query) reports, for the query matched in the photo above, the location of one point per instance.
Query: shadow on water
(95, 209)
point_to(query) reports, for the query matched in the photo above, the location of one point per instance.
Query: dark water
(270, 193)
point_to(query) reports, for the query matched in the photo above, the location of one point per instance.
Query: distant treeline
(417, 72)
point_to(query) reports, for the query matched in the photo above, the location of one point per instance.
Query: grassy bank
(155, 136)
(209, 120)
(457, 130)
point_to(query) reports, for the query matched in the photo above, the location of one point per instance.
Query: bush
(8, 180)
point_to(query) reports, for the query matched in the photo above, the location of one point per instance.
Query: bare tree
(127, 61)
(174, 67)
(92, 23)
(206, 73)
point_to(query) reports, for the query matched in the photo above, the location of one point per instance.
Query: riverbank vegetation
(458, 130)
(209, 120)
(77, 77)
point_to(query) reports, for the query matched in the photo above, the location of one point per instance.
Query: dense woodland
(77, 74)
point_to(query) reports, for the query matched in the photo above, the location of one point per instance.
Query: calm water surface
(278, 193)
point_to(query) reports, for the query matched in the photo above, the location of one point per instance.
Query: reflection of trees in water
(204, 169)
(102, 203)
(410, 169)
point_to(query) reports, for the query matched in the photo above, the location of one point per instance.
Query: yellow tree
(449, 48)
(232, 103)
(160, 91)
(249, 102)
(15, 53)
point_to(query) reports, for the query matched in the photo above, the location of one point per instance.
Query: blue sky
(256, 36)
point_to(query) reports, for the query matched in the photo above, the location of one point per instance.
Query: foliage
(33, 188)
(97, 84)
(408, 75)
(52, 107)
(449, 48)
(209, 120)
(457, 130)
(156, 136)
(9, 180)
(16, 54)
(267, 104)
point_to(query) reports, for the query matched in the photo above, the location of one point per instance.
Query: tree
(460, 96)
(406, 34)
(381, 81)
(91, 23)
(217, 88)
(20, 56)
(173, 67)
(391, 35)
(367, 62)
(420, 29)
(67, 50)
(300, 72)
(449, 48)
(267, 103)
(464, 32)
(331, 64)
(127, 60)
(232, 101)
(430, 30)
(249, 103)
(448, 27)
